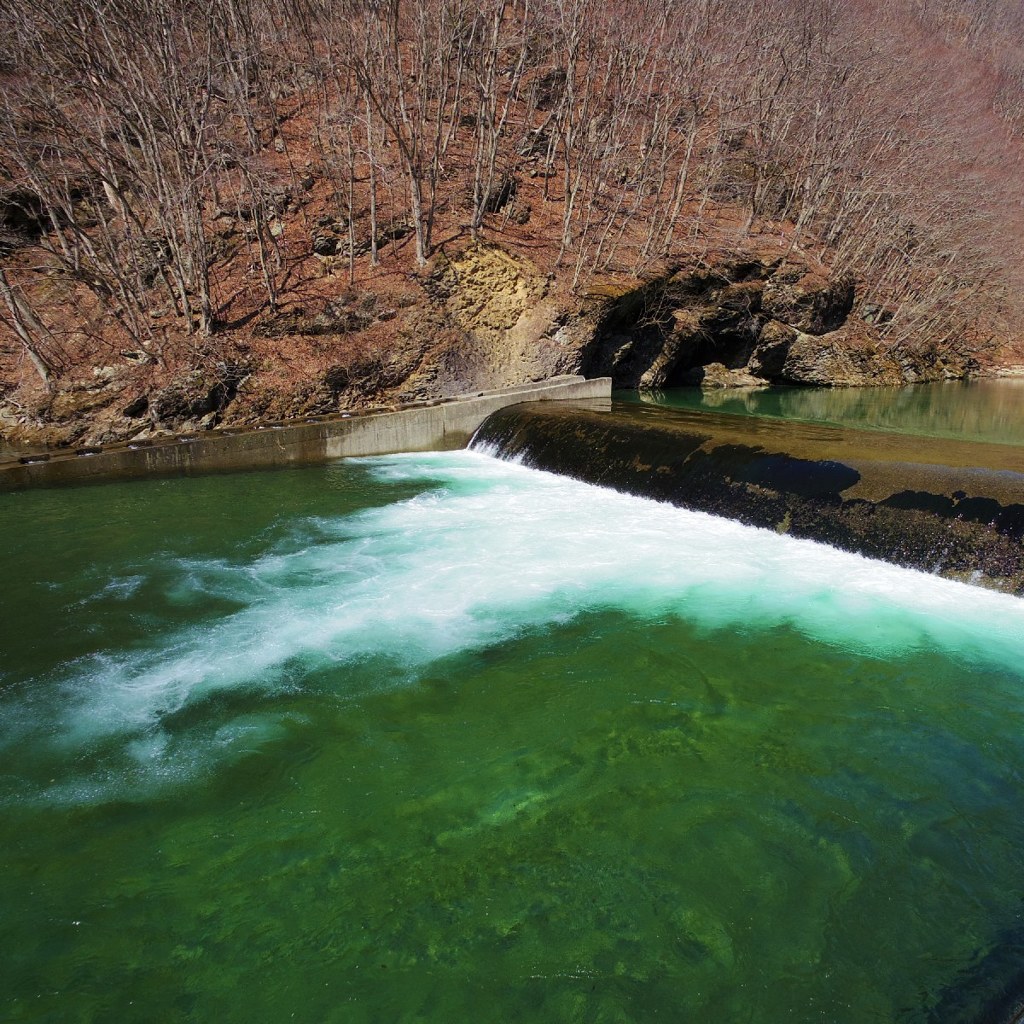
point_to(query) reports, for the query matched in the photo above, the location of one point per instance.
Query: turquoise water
(977, 410)
(442, 738)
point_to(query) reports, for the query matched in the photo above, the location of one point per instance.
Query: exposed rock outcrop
(501, 326)
(195, 400)
(738, 321)
(764, 321)
(808, 301)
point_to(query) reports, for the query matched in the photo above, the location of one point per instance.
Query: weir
(943, 506)
(947, 507)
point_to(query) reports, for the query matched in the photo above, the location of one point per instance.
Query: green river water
(442, 738)
(977, 410)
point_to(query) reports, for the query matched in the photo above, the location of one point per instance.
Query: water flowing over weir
(942, 506)
(400, 737)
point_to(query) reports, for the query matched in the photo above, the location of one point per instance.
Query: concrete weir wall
(950, 507)
(429, 426)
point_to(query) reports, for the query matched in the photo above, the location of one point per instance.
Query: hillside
(217, 213)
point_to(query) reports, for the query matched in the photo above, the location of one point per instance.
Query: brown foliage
(167, 146)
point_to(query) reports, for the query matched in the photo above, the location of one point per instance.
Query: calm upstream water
(442, 738)
(979, 410)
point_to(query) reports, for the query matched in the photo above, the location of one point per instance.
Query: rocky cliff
(748, 321)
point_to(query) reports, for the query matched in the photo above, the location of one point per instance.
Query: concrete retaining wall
(423, 427)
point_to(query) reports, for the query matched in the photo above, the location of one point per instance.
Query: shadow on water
(991, 991)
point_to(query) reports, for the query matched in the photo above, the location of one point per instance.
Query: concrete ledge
(425, 426)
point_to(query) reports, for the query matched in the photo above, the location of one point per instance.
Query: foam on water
(487, 550)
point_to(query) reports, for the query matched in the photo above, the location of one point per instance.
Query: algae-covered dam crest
(402, 737)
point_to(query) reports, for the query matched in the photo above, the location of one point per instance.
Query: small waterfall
(947, 507)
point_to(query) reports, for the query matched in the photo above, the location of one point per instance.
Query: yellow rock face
(490, 290)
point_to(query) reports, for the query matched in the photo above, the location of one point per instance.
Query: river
(990, 410)
(440, 737)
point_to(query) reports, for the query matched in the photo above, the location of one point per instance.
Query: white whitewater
(487, 550)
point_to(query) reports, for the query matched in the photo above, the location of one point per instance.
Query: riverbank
(483, 317)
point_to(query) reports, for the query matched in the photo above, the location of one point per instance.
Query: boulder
(715, 376)
(326, 244)
(137, 407)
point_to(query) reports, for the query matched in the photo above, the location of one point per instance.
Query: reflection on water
(982, 410)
